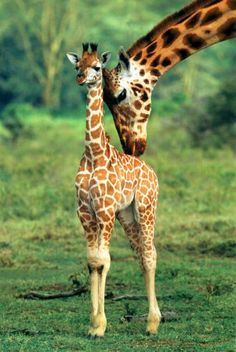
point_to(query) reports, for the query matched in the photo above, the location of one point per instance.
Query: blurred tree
(213, 121)
(45, 28)
(14, 120)
(36, 34)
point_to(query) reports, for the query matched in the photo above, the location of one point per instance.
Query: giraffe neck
(95, 140)
(195, 27)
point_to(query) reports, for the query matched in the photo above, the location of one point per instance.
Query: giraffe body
(117, 186)
(129, 86)
(112, 185)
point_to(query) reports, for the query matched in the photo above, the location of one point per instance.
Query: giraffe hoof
(94, 337)
(152, 328)
(150, 333)
(91, 337)
(95, 333)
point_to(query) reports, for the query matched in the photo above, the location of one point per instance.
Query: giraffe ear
(105, 57)
(73, 58)
(124, 59)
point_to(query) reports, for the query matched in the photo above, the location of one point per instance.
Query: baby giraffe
(112, 185)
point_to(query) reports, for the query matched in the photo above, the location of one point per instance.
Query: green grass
(41, 246)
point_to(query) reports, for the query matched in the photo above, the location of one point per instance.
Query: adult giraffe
(128, 87)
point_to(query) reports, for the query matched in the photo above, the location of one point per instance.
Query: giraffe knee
(92, 268)
(99, 260)
(148, 265)
(148, 261)
(100, 269)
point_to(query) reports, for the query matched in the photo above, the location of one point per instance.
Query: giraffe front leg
(100, 321)
(146, 252)
(99, 261)
(99, 265)
(89, 224)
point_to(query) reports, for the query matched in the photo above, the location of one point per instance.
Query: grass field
(42, 246)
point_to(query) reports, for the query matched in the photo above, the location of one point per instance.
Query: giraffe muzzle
(134, 147)
(80, 79)
(140, 145)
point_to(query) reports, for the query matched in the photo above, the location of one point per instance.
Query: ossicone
(124, 59)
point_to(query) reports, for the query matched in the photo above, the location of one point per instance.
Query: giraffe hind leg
(145, 212)
(135, 233)
(127, 220)
(148, 257)
(99, 263)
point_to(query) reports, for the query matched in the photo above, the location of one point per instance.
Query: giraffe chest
(110, 189)
(104, 187)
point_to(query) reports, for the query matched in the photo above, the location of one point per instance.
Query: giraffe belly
(125, 201)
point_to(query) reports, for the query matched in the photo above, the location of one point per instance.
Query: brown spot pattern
(155, 72)
(193, 20)
(213, 2)
(228, 29)
(93, 93)
(156, 61)
(137, 104)
(150, 55)
(231, 4)
(194, 41)
(95, 104)
(211, 16)
(166, 62)
(184, 18)
(95, 120)
(96, 133)
(143, 62)
(138, 56)
(151, 47)
(170, 36)
(182, 53)
(142, 72)
(147, 107)
(144, 97)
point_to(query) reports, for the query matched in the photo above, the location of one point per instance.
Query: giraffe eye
(121, 96)
(96, 68)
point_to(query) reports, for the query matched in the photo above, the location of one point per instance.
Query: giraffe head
(89, 66)
(127, 92)
(128, 86)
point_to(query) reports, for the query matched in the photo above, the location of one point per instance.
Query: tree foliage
(212, 121)
(40, 32)
(36, 34)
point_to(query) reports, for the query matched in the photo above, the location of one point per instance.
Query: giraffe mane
(171, 20)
